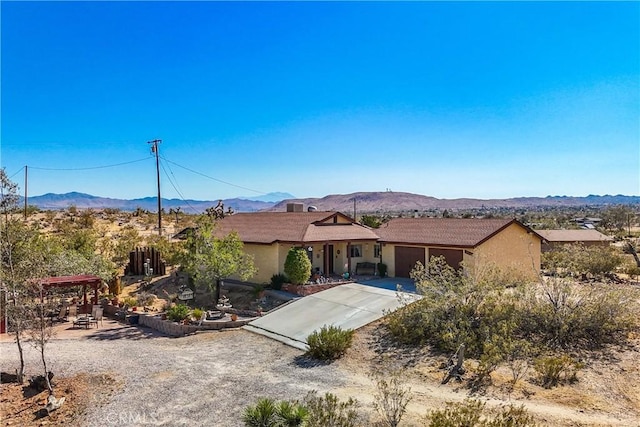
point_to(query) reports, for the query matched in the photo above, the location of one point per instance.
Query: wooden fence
(142, 256)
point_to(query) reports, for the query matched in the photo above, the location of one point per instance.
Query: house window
(356, 251)
(377, 252)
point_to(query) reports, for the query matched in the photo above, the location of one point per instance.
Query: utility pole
(354, 210)
(25, 192)
(154, 149)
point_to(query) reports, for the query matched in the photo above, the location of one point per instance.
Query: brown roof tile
(574, 236)
(441, 231)
(269, 227)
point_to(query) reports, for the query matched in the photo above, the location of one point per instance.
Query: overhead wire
(90, 168)
(19, 170)
(175, 188)
(212, 178)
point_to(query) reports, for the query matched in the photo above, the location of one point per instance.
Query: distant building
(587, 223)
(587, 237)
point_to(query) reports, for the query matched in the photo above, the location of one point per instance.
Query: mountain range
(365, 202)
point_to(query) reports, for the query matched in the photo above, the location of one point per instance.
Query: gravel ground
(205, 379)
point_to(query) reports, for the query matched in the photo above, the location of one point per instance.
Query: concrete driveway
(349, 306)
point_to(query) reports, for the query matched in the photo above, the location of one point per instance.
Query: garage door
(453, 256)
(406, 258)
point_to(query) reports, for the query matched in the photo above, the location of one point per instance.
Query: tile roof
(574, 236)
(269, 227)
(441, 231)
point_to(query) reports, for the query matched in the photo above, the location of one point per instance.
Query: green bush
(197, 313)
(297, 266)
(329, 343)
(555, 370)
(277, 280)
(146, 299)
(328, 410)
(473, 413)
(178, 313)
(130, 301)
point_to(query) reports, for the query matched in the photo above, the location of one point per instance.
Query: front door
(328, 262)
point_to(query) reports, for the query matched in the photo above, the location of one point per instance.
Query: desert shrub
(329, 343)
(391, 397)
(473, 413)
(130, 301)
(564, 315)
(297, 266)
(554, 370)
(456, 309)
(146, 299)
(329, 411)
(277, 280)
(291, 414)
(178, 312)
(581, 260)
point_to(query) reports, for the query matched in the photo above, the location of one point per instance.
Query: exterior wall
(265, 258)
(513, 248)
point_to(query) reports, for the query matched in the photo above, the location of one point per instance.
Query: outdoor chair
(96, 316)
(62, 315)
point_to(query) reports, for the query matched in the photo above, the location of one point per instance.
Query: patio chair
(62, 315)
(96, 316)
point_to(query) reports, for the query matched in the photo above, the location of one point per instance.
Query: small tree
(209, 259)
(297, 266)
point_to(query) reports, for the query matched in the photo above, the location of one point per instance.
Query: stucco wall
(514, 249)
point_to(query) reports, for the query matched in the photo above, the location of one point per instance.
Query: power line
(89, 168)
(212, 178)
(19, 170)
(175, 188)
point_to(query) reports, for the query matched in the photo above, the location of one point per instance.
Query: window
(356, 251)
(377, 250)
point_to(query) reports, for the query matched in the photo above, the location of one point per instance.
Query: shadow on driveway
(134, 333)
(391, 283)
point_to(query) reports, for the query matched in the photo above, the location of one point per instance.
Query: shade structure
(84, 280)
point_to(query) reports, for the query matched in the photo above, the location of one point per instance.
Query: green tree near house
(209, 259)
(297, 266)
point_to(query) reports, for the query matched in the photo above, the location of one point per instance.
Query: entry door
(329, 260)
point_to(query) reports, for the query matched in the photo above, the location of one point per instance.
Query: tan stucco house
(334, 242)
(337, 244)
(505, 243)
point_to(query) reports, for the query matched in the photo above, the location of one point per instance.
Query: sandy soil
(208, 378)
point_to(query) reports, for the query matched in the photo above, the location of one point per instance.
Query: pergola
(85, 281)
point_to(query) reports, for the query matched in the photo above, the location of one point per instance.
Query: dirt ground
(208, 378)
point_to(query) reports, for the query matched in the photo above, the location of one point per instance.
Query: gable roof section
(570, 236)
(308, 227)
(456, 232)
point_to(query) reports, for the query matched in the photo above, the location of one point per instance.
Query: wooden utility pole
(25, 191)
(154, 149)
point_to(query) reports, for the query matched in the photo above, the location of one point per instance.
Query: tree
(209, 259)
(297, 266)
(12, 237)
(372, 221)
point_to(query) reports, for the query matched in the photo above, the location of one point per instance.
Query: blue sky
(451, 99)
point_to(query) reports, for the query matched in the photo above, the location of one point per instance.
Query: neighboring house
(334, 242)
(502, 242)
(555, 238)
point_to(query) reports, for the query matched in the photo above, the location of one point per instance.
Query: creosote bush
(329, 343)
(473, 413)
(555, 370)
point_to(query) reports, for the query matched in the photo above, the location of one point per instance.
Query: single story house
(337, 244)
(556, 238)
(334, 242)
(505, 243)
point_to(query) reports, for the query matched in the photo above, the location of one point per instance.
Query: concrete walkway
(348, 306)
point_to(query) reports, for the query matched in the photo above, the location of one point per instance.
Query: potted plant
(234, 317)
